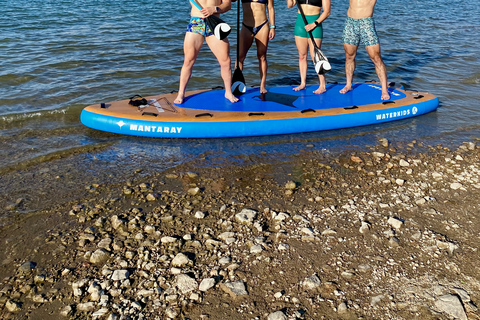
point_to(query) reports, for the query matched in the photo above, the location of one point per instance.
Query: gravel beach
(387, 233)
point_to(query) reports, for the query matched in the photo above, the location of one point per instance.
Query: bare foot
(178, 100)
(346, 89)
(320, 90)
(263, 90)
(385, 96)
(300, 87)
(231, 97)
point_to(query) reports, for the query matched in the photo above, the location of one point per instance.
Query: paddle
(219, 27)
(238, 80)
(320, 61)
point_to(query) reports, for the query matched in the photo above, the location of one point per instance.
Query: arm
(291, 3)
(271, 17)
(326, 9)
(225, 6)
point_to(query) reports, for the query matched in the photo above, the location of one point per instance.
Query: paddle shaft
(310, 32)
(238, 31)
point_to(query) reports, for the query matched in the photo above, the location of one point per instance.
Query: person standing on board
(198, 31)
(316, 11)
(257, 26)
(360, 29)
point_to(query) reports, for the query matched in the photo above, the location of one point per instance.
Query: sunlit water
(59, 56)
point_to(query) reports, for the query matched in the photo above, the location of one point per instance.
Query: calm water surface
(56, 57)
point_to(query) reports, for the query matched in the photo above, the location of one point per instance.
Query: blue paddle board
(207, 114)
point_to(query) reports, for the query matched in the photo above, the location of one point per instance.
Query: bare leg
(191, 47)
(221, 50)
(375, 55)
(322, 87)
(302, 46)
(261, 39)
(350, 53)
(246, 40)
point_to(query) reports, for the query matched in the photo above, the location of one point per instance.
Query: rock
(365, 227)
(456, 186)
(290, 185)
(13, 306)
(180, 260)
(312, 282)
(120, 275)
(342, 308)
(99, 313)
(199, 215)
(86, 306)
(234, 289)
(278, 315)
(185, 283)
(256, 249)
(193, 191)
(66, 311)
(206, 284)
(27, 267)
(99, 256)
(451, 305)
(395, 222)
(403, 163)
(246, 216)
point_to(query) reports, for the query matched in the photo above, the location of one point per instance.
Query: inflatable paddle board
(207, 114)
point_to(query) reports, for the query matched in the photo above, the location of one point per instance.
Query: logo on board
(153, 129)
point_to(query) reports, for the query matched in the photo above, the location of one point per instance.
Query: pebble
(246, 216)
(451, 305)
(181, 260)
(185, 283)
(278, 315)
(395, 222)
(99, 256)
(206, 284)
(235, 288)
(312, 282)
(120, 275)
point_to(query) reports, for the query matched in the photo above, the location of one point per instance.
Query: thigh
(302, 45)
(192, 44)
(246, 40)
(220, 48)
(261, 40)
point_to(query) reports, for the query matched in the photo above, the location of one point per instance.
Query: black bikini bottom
(254, 30)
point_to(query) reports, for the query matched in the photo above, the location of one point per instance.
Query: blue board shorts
(360, 31)
(198, 25)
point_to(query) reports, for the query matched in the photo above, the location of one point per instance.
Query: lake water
(56, 57)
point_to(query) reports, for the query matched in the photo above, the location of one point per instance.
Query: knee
(225, 63)
(377, 60)
(302, 57)
(262, 57)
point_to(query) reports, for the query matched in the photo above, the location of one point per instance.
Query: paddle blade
(238, 83)
(322, 67)
(220, 28)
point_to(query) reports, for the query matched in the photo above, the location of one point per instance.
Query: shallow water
(59, 56)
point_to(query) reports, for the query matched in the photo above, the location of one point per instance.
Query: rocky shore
(390, 233)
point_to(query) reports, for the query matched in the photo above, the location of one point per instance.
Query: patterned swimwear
(198, 25)
(360, 31)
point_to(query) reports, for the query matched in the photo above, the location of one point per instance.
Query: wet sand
(389, 233)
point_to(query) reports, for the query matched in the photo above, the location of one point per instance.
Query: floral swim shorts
(360, 31)
(198, 25)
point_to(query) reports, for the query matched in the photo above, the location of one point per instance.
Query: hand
(271, 35)
(207, 12)
(309, 27)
